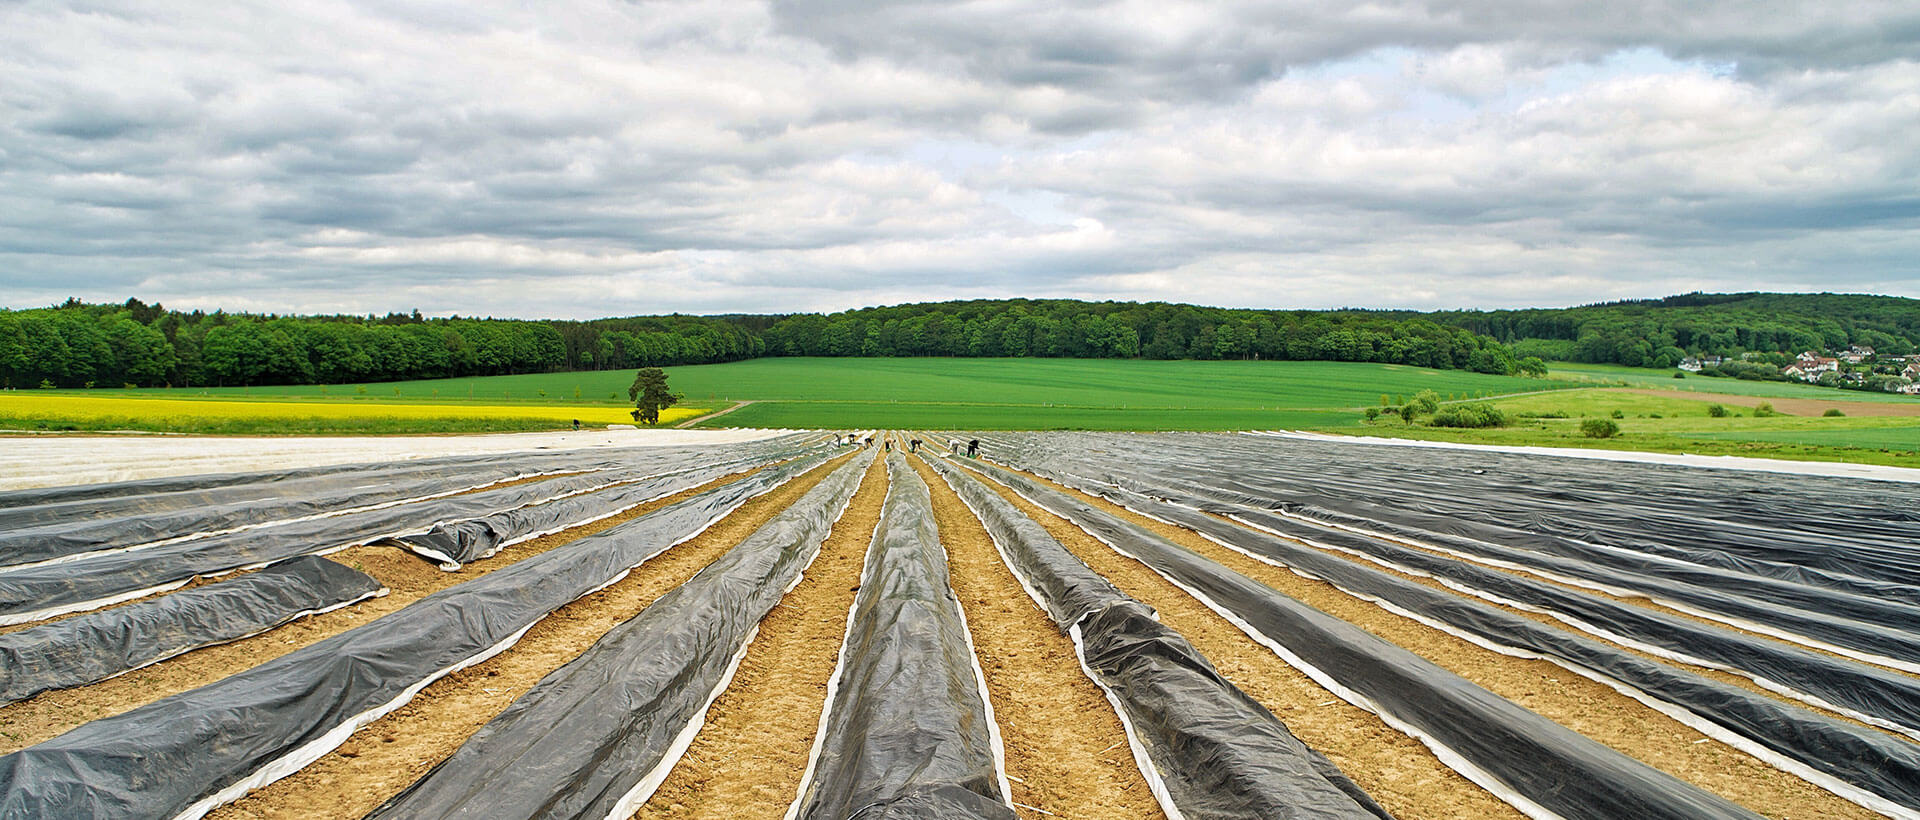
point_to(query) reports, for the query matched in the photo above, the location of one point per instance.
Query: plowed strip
(748, 759)
(407, 576)
(1587, 707)
(1394, 769)
(389, 754)
(1067, 754)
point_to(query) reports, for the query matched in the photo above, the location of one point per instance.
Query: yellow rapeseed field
(26, 406)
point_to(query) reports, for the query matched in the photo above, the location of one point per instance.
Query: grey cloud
(590, 159)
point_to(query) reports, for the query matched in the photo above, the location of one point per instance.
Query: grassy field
(115, 410)
(1677, 424)
(1047, 394)
(1036, 394)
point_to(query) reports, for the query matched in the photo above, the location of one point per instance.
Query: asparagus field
(883, 624)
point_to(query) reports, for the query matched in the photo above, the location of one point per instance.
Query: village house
(1810, 365)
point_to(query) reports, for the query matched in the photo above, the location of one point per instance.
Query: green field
(1029, 394)
(1104, 394)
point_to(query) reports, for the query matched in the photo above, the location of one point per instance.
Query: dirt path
(1067, 754)
(1587, 707)
(748, 759)
(715, 414)
(1791, 407)
(389, 754)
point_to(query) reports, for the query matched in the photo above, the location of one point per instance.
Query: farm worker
(973, 448)
(913, 446)
(889, 443)
(576, 424)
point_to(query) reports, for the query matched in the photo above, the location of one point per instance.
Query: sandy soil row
(1066, 752)
(748, 759)
(1590, 708)
(389, 754)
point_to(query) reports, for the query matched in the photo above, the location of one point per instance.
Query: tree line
(77, 344)
(86, 345)
(1662, 332)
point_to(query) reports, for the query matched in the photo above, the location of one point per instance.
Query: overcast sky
(594, 158)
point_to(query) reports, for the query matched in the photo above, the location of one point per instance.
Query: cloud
(587, 159)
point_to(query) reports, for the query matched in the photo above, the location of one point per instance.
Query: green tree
(650, 395)
(1599, 428)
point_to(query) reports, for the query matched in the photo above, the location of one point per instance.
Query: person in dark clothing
(973, 448)
(576, 424)
(913, 445)
(888, 444)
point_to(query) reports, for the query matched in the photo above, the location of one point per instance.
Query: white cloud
(588, 159)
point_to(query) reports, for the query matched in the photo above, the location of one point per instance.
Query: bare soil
(389, 754)
(748, 759)
(1066, 752)
(1590, 708)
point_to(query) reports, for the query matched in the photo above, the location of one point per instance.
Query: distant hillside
(1660, 332)
(107, 345)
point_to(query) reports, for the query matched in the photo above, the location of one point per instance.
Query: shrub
(1619, 415)
(1655, 416)
(1763, 410)
(1833, 413)
(1425, 401)
(1718, 411)
(1599, 428)
(1470, 415)
(1373, 413)
(1679, 375)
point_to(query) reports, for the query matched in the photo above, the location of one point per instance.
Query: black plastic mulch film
(1857, 615)
(33, 592)
(1871, 761)
(186, 753)
(1518, 754)
(1871, 694)
(452, 544)
(907, 733)
(1217, 753)
(67, 536)
(596, 736)
(99, 645)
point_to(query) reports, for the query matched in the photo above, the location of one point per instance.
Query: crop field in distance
(122, 410)
(1656, 411)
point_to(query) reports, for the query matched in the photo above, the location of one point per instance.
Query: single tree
(650, 395)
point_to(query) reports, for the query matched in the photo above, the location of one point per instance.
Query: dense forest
(1660, 332)
(78, 344)
(108, 345)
